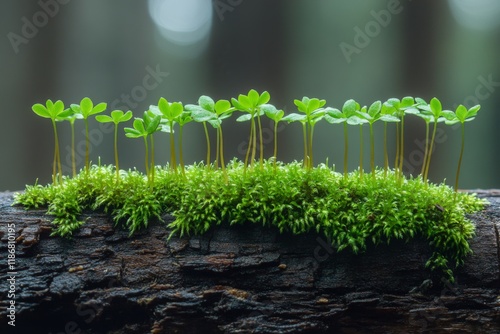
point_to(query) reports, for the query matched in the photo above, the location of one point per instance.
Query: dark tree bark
(239, 279)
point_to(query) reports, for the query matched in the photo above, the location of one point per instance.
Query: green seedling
(55, 112)
(386, 110)
(373, 115)
(461, 116)
(214, 113)
(182, 120)
(276, 115)
(117, 117)
(400, 108)
(145, 127)
(86, 109)
(169, 113)
(71, 118)
(362, 121)
(421, 104)
(312, 112)
(296, 198)
(250, 104)
(435, 111)
(203, 113)
(346, 116)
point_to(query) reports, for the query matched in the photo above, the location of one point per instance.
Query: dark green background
(292, 48)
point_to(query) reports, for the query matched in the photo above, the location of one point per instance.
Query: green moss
(351, 211)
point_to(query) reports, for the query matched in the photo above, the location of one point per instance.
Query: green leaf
(202, 115)
(389, 118)
(163, 105)
(98, 108)
(313, 105)
(238, 105)
(374, 109)
(450, 115)
(104, 119)
(393, 102)
(253, 97)
(139, 126)
(473, 111)
(86, 106)
(152, 123)
(264, 98)
(58, 107)
(349, 108)
(436, 107)
(355, 120)
(223, 106)
(293, 117)
(244, 118)
(333, 112)
(176, 110)
(126, 117)
(41, 110)
(49, 104)
(245, 102)
(301, 105)
(206, 103)
(407, 101)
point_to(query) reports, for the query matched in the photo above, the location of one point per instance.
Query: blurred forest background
(130, 53)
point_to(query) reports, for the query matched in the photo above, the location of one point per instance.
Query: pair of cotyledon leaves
(56, 111)
(162, 116)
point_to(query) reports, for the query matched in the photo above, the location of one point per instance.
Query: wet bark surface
(239, 279)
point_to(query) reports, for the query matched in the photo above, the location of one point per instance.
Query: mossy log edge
(244, 279)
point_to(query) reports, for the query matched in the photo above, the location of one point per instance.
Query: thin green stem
(152, 169)
(275, 143)
(223, 164)
(261, 146)
(116, 154)
(361, 171)
(429, 153)
(181, 157)
(56, 149)
(346, 148)
(386, 154)
(208, 144)
(247, 155)
(372, 150)
(401, 147)
(460, 157)
(311, 133)
(254, 142)
(304, 130)
(73, 161)
(424, 163)
(87, 143)
(396, 159)
(217, 149)
(172, 148)
(146, 158)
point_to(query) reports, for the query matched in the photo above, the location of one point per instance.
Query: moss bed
(351, 210)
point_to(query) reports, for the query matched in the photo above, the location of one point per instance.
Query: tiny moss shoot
(297, 197)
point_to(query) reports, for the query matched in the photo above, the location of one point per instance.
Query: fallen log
(238, 279)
